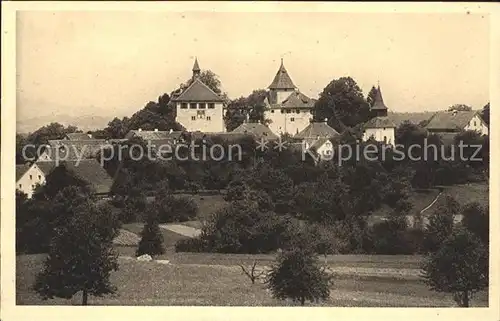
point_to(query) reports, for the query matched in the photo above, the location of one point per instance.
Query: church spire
(379, 107)
(196, 68)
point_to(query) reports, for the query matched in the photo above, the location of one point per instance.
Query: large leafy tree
(459, 107)
(81, 256)
(440, 225)
(298, 276)
(459, 267)
(343, 103)
(485, 113)
(252, 107)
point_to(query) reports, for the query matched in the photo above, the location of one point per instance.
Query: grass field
(152, 283)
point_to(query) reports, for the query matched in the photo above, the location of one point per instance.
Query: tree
(476, 220)
(252, 107)
(460, 107)
(343, 103)
(81, 255)
(440, 225)
(370, 98)
(151, 238)
(460, 267)
(297, 276)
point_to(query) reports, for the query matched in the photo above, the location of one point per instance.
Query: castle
(289, 111)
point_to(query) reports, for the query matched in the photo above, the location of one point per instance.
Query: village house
(380, 127)
(257, 130)
(199, 107)
(317, 138)
(447, 124)
(77, 136)
(287, 108)
(28, 176)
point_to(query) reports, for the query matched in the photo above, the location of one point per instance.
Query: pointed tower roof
(196, 67)
(378, 102)
(282, 80)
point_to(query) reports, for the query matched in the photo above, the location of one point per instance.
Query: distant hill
(85, 123)
(413, 117)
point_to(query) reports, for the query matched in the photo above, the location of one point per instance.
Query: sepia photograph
(283, 157)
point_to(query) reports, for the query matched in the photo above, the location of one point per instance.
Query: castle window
(208, 118)
(39, 177)
(385, 139)
(184, 105)
(272, 111)
(211, 105)
(20, 185)
(202, 105)
(282, 111)
(288, 111)
(292, 119)
(298, 111)
(31, 177)
(193, 117)
(192, 105)
(474, 123)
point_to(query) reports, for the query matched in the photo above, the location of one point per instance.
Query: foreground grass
(151, 283)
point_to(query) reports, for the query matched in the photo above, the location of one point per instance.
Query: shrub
(297, 276)
(175, 209)
(151, 238)
(476, 220)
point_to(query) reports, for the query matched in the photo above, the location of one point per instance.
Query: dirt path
(432, 203)
(182, 229)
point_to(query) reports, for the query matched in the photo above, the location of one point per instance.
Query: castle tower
(282, 86)
(289, 110)
(378, 109)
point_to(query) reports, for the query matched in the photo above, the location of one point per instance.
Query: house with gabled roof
(199, 107)
(77, 136)
(28, 176)
(257, 130)
(380, 127)
(453, 122)
(317, 138)
(287, 108)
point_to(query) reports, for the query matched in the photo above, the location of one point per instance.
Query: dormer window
(184, 105)
(211, 105)
(192, 105)
(202, 105)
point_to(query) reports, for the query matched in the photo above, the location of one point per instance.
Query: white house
(456, 121)
(28, 176)
(289, 110)
(317, 138)
(380, 127)
(198, 107)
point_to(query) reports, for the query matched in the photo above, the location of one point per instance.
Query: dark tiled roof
(317, 129)
(88, 170)
(318, 143)
(21, 170)
(78, 136)
(198, 91)
(154, 135)
(379, 122)
(298, 100)
(46, 167)
(282, 80)
(76, 149)
(449, 120)
(378, 103)
(258, 130)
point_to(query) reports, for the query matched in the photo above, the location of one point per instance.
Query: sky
(111, 63)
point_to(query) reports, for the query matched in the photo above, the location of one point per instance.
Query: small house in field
(453, 122)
